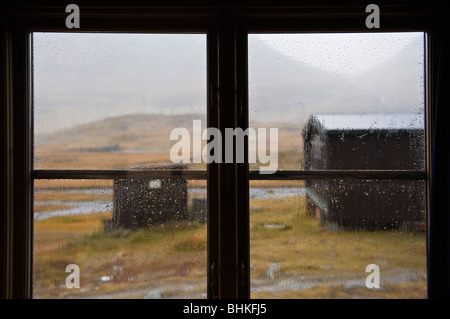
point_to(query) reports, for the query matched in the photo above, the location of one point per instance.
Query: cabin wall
(364, 203)
(143, 202)
(399, 149)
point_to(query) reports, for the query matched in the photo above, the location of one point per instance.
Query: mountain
(81, 103)
(398, 83)
(125, 133)
(282, 88)
(148, 133)
(86, 77)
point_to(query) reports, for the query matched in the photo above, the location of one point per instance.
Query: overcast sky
(342, 53)
(82, 77)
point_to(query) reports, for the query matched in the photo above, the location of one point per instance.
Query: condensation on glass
(340, 101)
(110, 101)
(129, 238)
(316, 239)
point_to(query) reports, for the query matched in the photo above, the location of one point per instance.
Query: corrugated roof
(389, 121)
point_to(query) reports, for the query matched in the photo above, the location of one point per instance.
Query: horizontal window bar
(115, 174)
(253, 175)
(341, 174)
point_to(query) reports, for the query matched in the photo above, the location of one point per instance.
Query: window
(341, 102)
(91, 183)
(135, 89)
(110, 101)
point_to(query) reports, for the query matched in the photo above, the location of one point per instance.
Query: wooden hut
(142, 202)
(365, 141)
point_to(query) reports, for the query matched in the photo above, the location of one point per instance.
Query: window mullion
(243, 192)
(227, 171)
(213, 185)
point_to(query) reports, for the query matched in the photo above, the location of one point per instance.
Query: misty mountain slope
(281, 88)
(399, 82)
(143, 132)
(81, 78)
(111, 115)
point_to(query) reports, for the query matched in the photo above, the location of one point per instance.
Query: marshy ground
(292, 256)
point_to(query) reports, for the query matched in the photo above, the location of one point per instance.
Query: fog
(86, 77)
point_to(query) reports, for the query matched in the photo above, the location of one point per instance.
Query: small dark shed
(143, 202)
(365, 141)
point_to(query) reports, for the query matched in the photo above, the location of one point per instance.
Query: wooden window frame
(226, 27)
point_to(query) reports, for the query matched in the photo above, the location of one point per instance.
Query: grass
(137, 260)
(38, 208)
(170, 260)
(414, 290)
(51, 157)
(50, 185)
(54, 195)
(308, 253)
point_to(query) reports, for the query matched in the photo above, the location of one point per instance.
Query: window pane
(315, 239)
(110, 101)
(129, 238)
(340, 101)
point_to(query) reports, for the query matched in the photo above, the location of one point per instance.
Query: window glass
(340, 101)
(338, 239)
(110, 101)
(127, 238)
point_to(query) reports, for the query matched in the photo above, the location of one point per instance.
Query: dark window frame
(227, 27)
